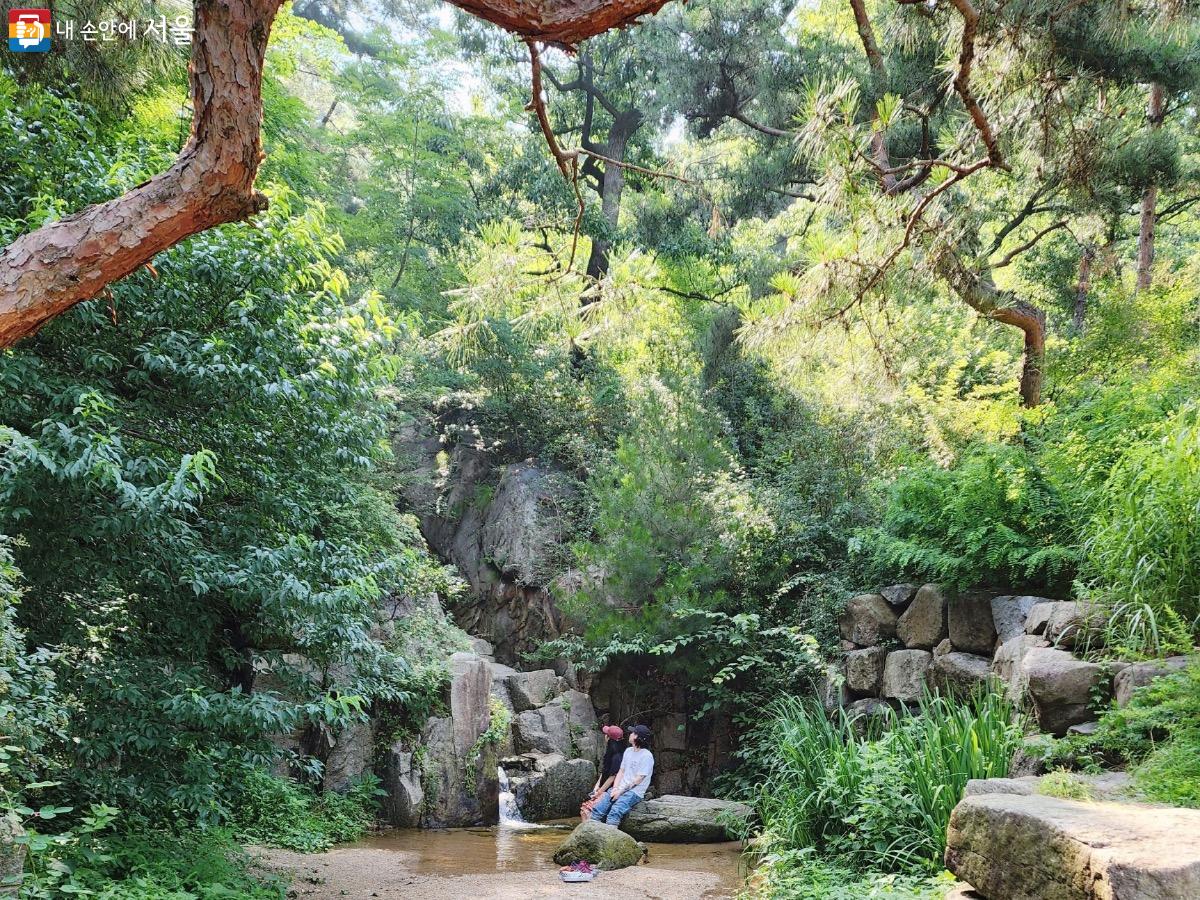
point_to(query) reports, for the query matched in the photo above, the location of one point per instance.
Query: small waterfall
(510, 813)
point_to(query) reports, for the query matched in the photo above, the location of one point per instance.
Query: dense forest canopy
(796, 299)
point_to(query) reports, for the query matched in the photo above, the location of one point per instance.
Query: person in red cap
(614, 749)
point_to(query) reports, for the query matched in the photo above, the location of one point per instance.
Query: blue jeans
(612, 813)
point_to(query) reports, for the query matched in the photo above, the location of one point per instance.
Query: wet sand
(501, 863)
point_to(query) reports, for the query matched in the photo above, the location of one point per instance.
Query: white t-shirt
(636, 761)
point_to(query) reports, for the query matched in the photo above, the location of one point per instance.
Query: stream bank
(505, 863)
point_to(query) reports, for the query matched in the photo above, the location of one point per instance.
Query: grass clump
(879, 800)
(801, 876)
(1065, 785)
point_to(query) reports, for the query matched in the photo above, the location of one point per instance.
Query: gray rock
(899, 595)
(943, 648)
(529, 690)
(958, 674)
(1039, 616)
(1024, 786)
(686, 820)
(970, 623)
(524, 523)
(1074, 624)
(1008, 665)
(832, 690)
(923, 625)
(350, 758)
(1061, 687)
(904, 674)
(1013, 846)
(459, 776)
(1139, 675)
(543, 730)
(400, 781)
(12, 854)
(670, 732)
(867, 620)
(583, 729)
(604, 846)
(864, 670)
(482, 648)
(1010, 613)
(556, 787)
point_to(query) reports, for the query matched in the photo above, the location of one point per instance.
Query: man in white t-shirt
(637, 765)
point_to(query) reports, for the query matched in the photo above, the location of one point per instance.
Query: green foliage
(993, 518)
(1066, 785)
(874, 800)
(278, 812)
(798, 875)
(1143, 542)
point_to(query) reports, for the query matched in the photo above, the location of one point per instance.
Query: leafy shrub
(279, 812)
(1171, 772)
(993, 518)
(879, 800)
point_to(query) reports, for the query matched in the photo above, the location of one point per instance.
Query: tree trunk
(1145, 263)
(1082, 288)
(978, 290)
(612, 185)
(48, 271)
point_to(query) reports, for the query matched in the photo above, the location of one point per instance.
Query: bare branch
(1021, 248)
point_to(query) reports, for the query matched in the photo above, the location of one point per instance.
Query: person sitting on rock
(637, 765)
(614, 750)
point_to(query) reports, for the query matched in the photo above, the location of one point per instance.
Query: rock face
(970, 623)
(923, 625)
(1061, 687)
(350, 757)
(400, 782)
(529, 690)
(604, 846)
(461, 786)
(1009, 615)
(12, 855)
(1141, 674)
(864, 670)
(904, 674)
(960, 673)
(867, 619)
(1027, 847)
(685, 820)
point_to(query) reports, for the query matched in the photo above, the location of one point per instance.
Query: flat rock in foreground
(672, 819)
(1032, 847)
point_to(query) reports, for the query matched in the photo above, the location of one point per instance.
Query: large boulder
(543, 730)
(524, 524)
(923, 625)
(899, 595)
(1074, 624)
(529, 690)
(958, 674)
(1008, 665)
(601, 845)
(1063, 687)
(1009, 614)
(970, 623)
(583, 729)
(904, 674)
(686, 820)
(1013, 846)
(556, 787)
(867, 620)
(831, 687)
(1141, 674)
(864, 671)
